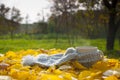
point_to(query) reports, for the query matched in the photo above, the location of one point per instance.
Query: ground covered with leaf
(11, 68)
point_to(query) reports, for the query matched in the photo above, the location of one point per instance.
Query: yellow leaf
(23, 75)
(50, 77)
(14, 73)
(76, 64)
(111, 78)
(103, 66)
(85, 75)
(67, 76)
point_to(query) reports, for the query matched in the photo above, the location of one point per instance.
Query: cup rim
(86, 48)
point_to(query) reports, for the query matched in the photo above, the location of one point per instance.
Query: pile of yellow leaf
(10, 66)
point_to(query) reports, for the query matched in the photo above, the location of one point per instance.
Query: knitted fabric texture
(87, 59)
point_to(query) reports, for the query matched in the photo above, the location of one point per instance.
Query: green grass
(23, 44)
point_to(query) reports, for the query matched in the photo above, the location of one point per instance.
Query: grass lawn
(23, 44)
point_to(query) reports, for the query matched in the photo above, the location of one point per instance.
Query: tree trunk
(112, 29)
(112, 26)
(11, 34)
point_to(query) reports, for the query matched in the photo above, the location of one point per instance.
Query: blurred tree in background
(9, 19)
(113, 7)
(113, 10)
(63, 13)
(70, 19)
(97, 18)
(15, 19)
(3, 14)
